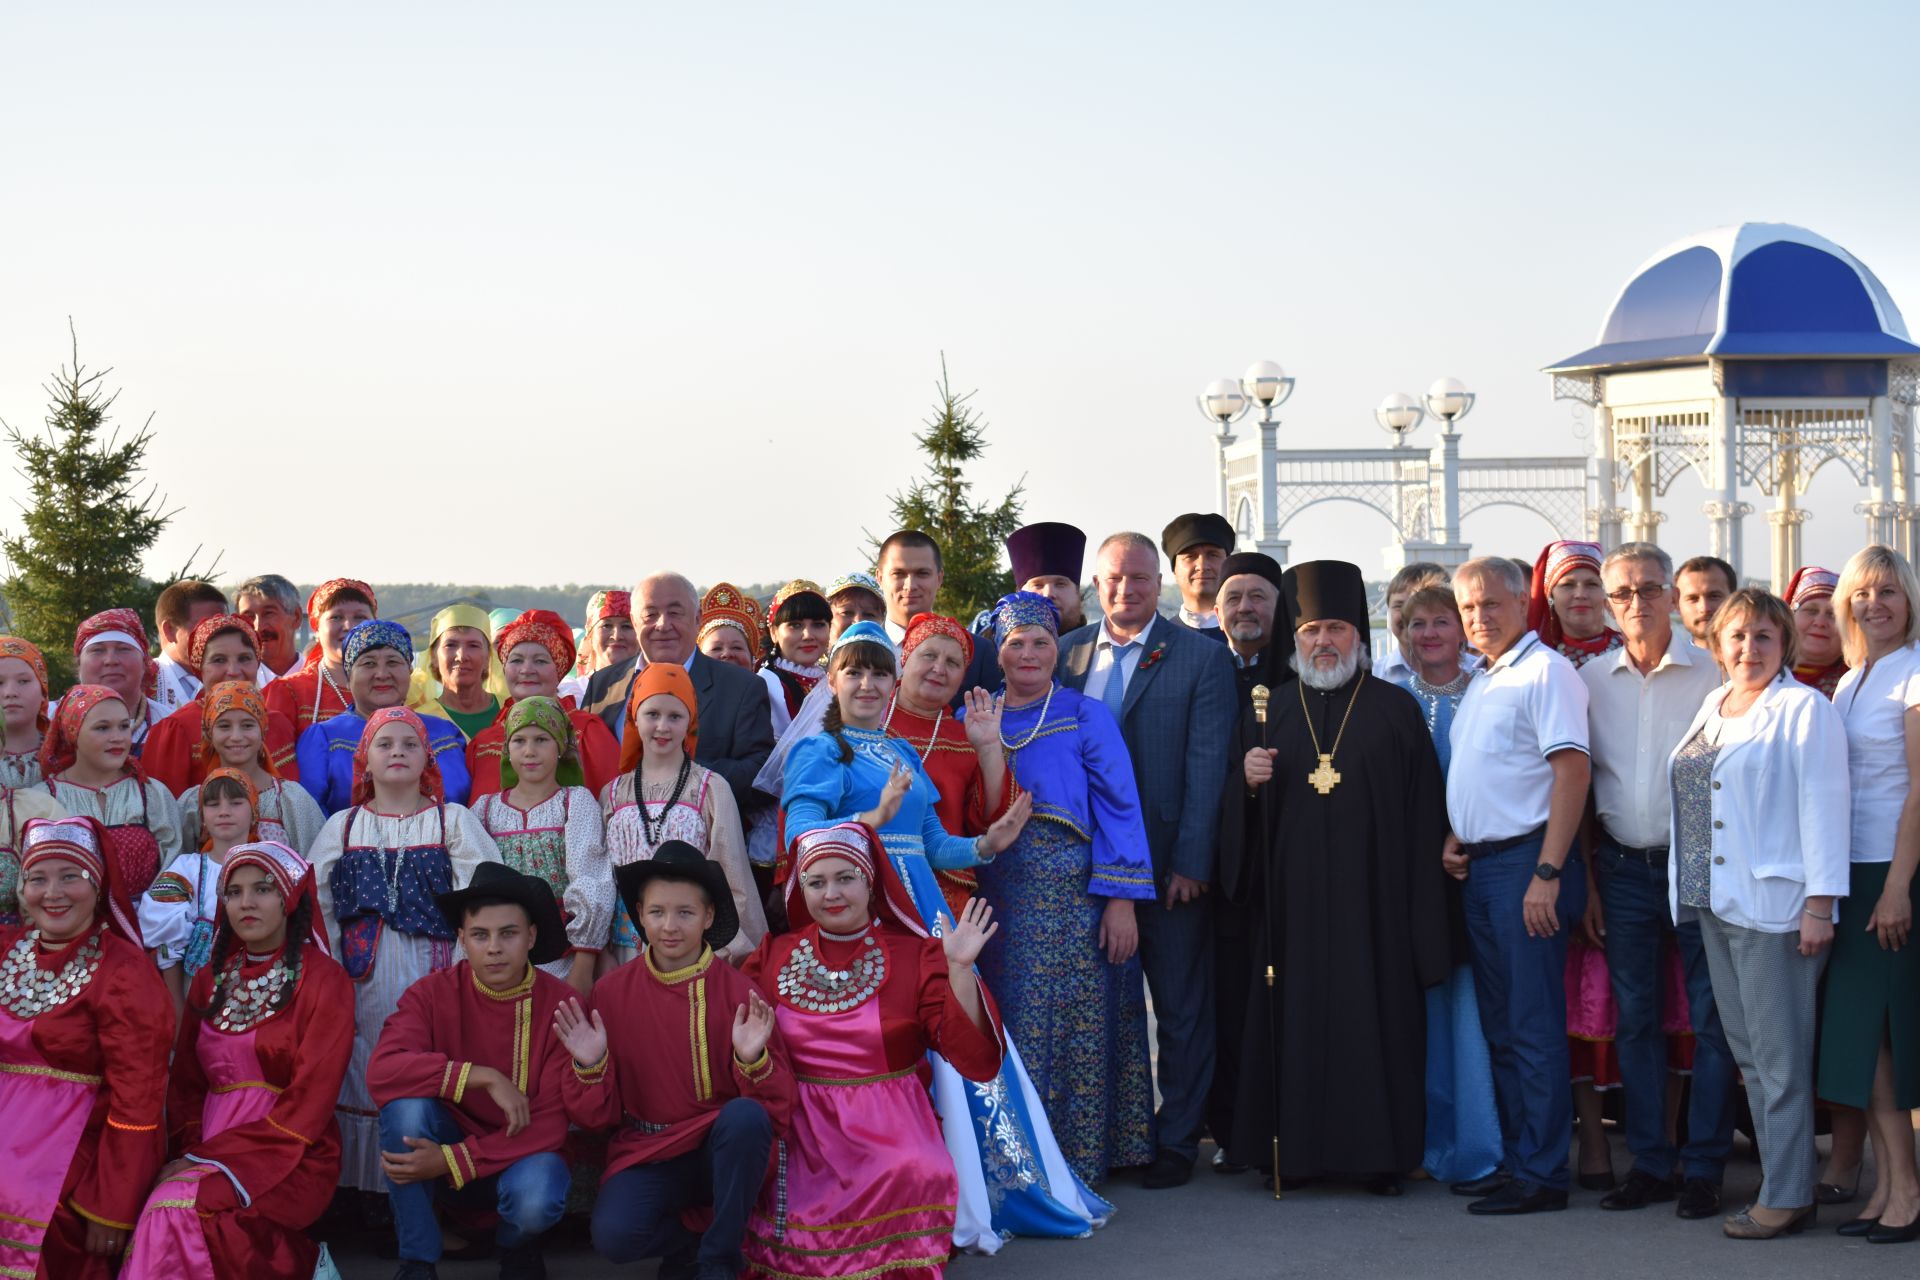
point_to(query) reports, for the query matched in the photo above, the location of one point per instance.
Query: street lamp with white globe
(1225, 402)
(1449, 400)
(1398, 415)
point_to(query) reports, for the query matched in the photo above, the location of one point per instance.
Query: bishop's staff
(1260, 696)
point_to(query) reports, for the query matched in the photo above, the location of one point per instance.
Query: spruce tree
(84, 533)
(972, 535)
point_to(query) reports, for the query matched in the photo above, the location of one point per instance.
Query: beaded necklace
(655, 830)
(1038, 725)
(933, 737)
(27, 990)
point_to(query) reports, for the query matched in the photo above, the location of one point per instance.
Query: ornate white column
(1644, 520)
(1608, 514)
(1786, 521)
(1270, 543)
(1725, 529)
(1221, 442)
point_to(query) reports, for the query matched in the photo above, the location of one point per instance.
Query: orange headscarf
(233, 695)
(658, 677)
(29, 653)
(253, 801)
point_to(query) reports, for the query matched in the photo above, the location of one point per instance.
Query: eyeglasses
(1648, 591)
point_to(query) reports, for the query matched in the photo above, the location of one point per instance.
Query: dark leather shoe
(1856, 1226)
(523, 1262)
(1517, 1197)
(1699, 1198)
(1640, 1190)
(1602, 1181)
(1384, 1184)
(1223, 1165)
(1170, 1170)
(1884, 1234)
(1479, 1187)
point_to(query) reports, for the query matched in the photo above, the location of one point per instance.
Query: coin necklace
(27, 990)
(250, 1001)
(807, 983)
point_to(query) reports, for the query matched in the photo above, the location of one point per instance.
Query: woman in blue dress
(1066, 968)
(1463, 1126)
(1013, 1178)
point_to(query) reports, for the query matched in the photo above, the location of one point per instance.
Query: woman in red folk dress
(967, 761)
(84, 1027)
(256, 1073)
(536, 649)
(861, 993)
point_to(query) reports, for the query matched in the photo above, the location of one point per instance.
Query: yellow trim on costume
(868, 1222)
(129, 1128)
(461, 1152)
(697, 1035)
(94, 1217)
(446, 1077)
(27, 1222)
(511, 993)
(51, 1073)
(903, 1264)
(173, 1204)
(523, 1041)
(758, 1069)
(460, 1086)
(453, 1166)
(680, 975)
(862, 1247)
(290, 1133)
(594, 1074)
(246, 1084)
(21, 1245)
(891, 1075)
(15, 1273)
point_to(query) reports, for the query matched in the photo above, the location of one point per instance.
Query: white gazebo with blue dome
(1754, 355)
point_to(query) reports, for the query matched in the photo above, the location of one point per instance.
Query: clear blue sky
(566, 291)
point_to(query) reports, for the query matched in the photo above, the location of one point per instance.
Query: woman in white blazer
(1759, 854)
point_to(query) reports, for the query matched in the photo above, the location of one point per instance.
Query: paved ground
(1232, 1229)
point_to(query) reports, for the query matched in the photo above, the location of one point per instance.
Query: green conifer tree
(972, 535)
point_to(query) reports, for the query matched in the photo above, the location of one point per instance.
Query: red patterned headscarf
(233, 695)
(291, 874)
(124, 625)
(29, 653)
(206, 629)
(431, 785)
(543, 627)
(858, 844)
(61, 744)
(322, 600)
(609, 604)
(1808, 581)
(83, 842)
(924, 626)
(253, 802)
(1557, 560)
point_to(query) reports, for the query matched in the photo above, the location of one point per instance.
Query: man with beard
(1248, 601)
(1344, 864)
(1197, 545)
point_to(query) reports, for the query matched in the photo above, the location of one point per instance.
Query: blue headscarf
(1023, 609)
(376, 633)
(872, 633)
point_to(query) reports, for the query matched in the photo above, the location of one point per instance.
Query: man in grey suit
(1172, 691)
(734, 715)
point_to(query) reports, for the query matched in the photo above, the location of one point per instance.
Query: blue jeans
(638, 1213)
(530, 1194)
(1634, 895)
(1521, 982)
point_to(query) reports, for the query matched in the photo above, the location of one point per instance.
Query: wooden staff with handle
(1261, 695)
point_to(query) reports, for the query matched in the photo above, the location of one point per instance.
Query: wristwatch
(1547, 871)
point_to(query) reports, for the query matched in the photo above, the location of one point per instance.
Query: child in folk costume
(660, 794)
(467, 1078)
(547, 824)
(84, 1029)
(233, 720)
(861, 994)
(257, 1067)
(223, 648)
(23, 711)
(379, 866)
(88, 763)
(180, 913)
(680, 1057)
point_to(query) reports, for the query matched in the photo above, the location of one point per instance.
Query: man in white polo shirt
(1641, 699)
(1514, 798)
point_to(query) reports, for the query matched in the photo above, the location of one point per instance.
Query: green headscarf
(547, 714)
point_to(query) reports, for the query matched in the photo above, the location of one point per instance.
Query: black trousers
(638, 1213)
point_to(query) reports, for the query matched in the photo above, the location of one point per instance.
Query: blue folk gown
(325, 752)
(1463, 1124)
(1013, 1178)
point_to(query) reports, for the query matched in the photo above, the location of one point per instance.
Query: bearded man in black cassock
(1332, 833)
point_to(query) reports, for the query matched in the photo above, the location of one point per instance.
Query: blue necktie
(1115, 694)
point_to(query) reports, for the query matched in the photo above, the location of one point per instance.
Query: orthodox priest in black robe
(1335, 846)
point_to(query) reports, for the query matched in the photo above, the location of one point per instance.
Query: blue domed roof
(1759, 290)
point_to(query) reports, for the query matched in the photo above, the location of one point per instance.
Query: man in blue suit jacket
(1172, 691)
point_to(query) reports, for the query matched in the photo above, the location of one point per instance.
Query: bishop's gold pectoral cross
(1326, 777)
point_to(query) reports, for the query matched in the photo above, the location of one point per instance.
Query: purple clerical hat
(1047, 549)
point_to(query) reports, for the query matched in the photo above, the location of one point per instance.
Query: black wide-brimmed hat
(678, 860)
(498, 880)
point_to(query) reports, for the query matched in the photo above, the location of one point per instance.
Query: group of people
(685, 920)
